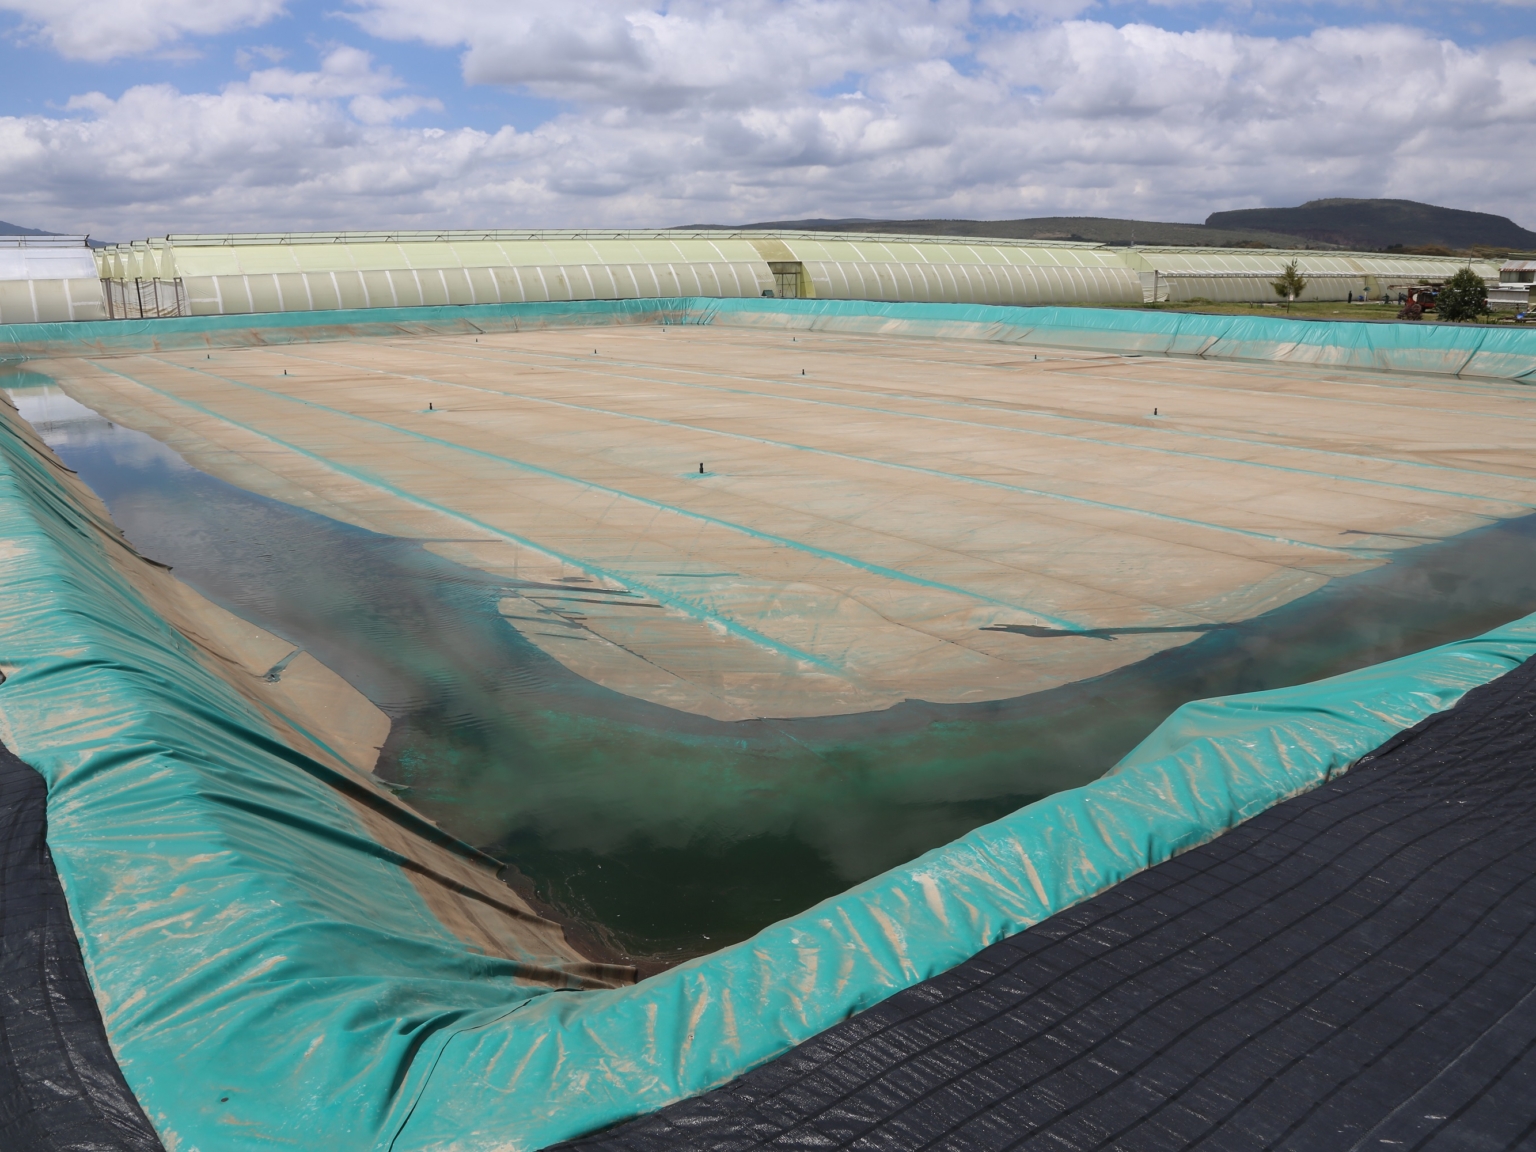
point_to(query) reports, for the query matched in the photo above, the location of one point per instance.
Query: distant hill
(1099, 229)
(1378, 225)
(18, 230)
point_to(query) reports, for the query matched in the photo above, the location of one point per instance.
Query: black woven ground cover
(1354, 969)
(60, 1087)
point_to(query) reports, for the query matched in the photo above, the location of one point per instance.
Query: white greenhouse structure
(59, 278)
(48, 278)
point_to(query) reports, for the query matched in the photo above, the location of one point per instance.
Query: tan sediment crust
(910, 519)
(319, 714)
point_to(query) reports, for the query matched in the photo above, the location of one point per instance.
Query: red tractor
(1417, 300)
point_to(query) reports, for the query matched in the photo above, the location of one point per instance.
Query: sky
(133, 118)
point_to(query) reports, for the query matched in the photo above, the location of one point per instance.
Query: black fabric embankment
(1354, 969)
(60, 1087)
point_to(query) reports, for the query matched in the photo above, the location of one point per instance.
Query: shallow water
(672, 834)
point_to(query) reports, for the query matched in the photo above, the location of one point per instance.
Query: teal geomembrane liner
(1439, 349)
(269, 978)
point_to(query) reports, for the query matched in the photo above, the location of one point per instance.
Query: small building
(1518, 271)
(1517, 277)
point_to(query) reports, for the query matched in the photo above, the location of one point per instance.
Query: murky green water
(671, 834)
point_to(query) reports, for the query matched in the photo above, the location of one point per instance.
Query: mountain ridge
(7, 229)
(1383, 224)
(1377, 225)
(1092, 229)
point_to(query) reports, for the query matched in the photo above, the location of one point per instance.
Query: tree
(1464, 297)
(1291, 282)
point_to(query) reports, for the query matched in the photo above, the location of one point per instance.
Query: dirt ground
(876, 519)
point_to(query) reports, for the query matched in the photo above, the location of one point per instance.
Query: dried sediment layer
(877, 520)
(319, 714)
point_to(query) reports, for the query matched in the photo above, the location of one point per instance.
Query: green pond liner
(1433, 349)
(270, 978)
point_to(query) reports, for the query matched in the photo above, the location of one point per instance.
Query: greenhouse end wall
(47, 279)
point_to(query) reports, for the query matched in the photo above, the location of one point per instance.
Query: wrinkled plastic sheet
(1349, 969)
(265, 968)
(267, 979)
(573, 1063)
(1434, 349)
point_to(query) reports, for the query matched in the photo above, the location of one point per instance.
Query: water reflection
(672, 834)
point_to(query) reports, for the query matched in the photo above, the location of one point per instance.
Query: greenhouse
(48, 278)
(226, 275)
(1245, 274)
(242, 274)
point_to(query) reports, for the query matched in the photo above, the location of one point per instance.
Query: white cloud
(246, 58)
(344, 72)
(737, 52)
(108, 29)
(1076, 117)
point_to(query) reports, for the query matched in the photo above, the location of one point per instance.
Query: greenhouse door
(786, 278)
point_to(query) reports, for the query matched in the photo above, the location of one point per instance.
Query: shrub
(1464, 297)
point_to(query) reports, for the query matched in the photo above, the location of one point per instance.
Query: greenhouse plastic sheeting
(267, 980)
(1437, 349)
